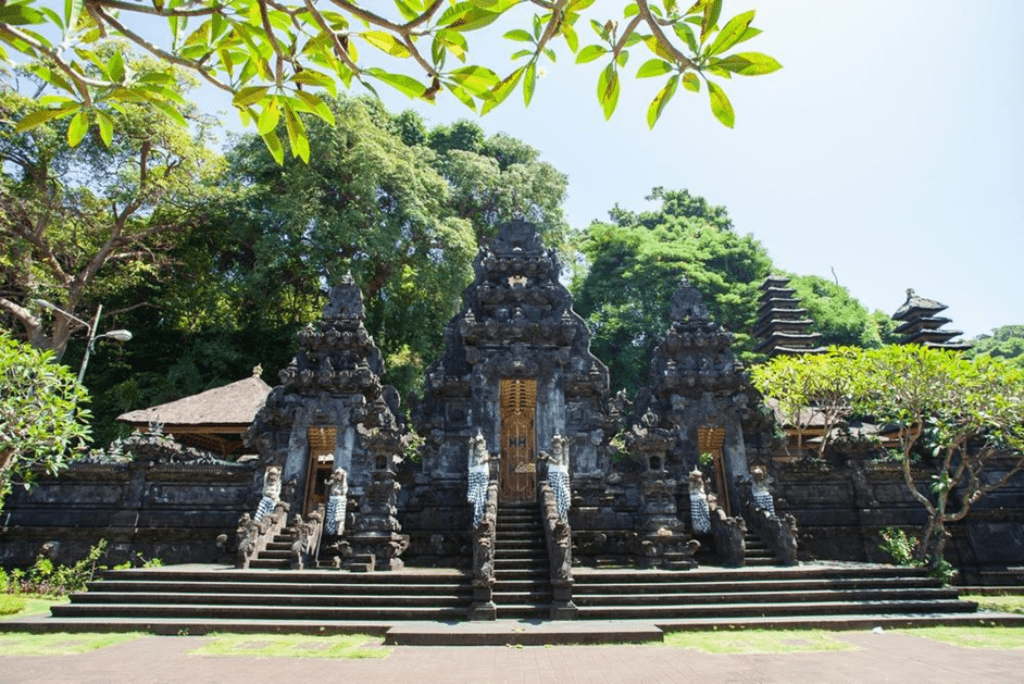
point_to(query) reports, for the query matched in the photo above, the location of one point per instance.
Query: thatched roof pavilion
(215, 420)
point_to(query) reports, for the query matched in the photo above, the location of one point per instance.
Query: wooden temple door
(321, 464)
(711, 440)
(518, 472)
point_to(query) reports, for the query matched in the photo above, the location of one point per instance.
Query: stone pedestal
(562, 606)
(483, 607)
(384, 547)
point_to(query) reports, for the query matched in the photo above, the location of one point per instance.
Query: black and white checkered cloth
(699, 515)
(266, 507)
(559, 481)
(764, 500)
(477, 493)
(335, 515)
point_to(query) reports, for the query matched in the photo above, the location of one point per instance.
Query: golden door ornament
(518, 441)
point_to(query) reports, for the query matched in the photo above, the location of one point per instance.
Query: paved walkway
(886, 657)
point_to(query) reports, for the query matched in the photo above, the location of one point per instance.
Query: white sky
(889, 148)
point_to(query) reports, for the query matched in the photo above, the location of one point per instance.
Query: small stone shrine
(331, 428)
(919, 323)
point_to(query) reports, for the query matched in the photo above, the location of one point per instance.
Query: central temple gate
(518, 474)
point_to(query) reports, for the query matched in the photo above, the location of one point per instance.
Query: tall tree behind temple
(379, 202)
(635, 264)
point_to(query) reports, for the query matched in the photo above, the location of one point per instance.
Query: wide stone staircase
(272, 596)
(709, 594)
(522, 572)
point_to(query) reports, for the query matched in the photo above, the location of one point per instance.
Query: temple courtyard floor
(973, 654)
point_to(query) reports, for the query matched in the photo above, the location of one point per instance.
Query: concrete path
(886, 657)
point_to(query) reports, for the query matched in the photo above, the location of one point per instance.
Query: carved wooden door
(321, 442)
(518, 476)
(711, 440)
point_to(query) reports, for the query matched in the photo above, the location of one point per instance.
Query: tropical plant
(279, 59)
(42, 420)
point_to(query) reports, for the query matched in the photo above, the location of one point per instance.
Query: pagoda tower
(781, 323)
(920, 324)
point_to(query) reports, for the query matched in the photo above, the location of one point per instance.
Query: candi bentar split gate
(516, 414)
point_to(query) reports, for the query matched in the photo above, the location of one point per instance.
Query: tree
(81, 222)
(42, 421)
(837, 315)
(279, 59)
(809, 386)
(956, 419)
(1006, 342)
(963, 414)
(636, 263)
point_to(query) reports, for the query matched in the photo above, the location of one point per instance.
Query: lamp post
(119, 335)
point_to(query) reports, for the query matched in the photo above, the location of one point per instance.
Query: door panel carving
(518, 471)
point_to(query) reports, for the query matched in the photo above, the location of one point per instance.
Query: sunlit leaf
(720, 105)
(106, 126)
(660, 100)
(590, 53)
(77, 129)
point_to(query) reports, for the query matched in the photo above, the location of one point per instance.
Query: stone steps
(522, 589)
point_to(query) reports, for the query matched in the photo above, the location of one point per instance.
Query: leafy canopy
(42, 421)
(280, 59)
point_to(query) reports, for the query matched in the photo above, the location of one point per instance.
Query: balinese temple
(920, 324)
(781, 324)
(214, 420)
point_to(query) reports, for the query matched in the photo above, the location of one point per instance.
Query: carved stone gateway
(517, 368)
(330, 430)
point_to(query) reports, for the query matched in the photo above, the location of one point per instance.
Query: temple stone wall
(166, 502)
(842, 507)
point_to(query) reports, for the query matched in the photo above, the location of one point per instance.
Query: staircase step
(727, 610)
(453, 600)
(145, 610)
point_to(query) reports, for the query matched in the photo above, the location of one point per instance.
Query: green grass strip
(1010, 603)
(59, 644)
(343, 646)
(758, 641)
(1001, 638)
(30, 605)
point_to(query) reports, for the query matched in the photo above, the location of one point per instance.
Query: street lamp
(119, 335)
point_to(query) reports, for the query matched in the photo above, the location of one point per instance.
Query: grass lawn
(347, 646)
(758, 641)
(59, 644)
(23, 606)
(1008, 603)
(1005, 638)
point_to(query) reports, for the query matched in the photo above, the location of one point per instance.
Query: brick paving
(887, 657)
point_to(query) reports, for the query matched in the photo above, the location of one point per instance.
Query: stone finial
(257, 370)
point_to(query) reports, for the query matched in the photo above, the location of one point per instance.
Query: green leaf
(252, 94)
(748, 64)
(20, 14)
(660, 100)
(77, 129)
(41, 116)
(386, 42)
(273, 144)
(684, 31)
(106, 126)
(571, 38)
(731, 33)
(720, 105)
(476, 79)
(529, 83)
(653, 67)
(500, 92)
(520, 35)
(711, 13)
(691, 82)
(170, 111)
(608, 90)
(269, 117)
(405, 84)
(317, 106)
(657, 48)
(590, 53)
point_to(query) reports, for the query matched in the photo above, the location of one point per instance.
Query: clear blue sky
(889, 149)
